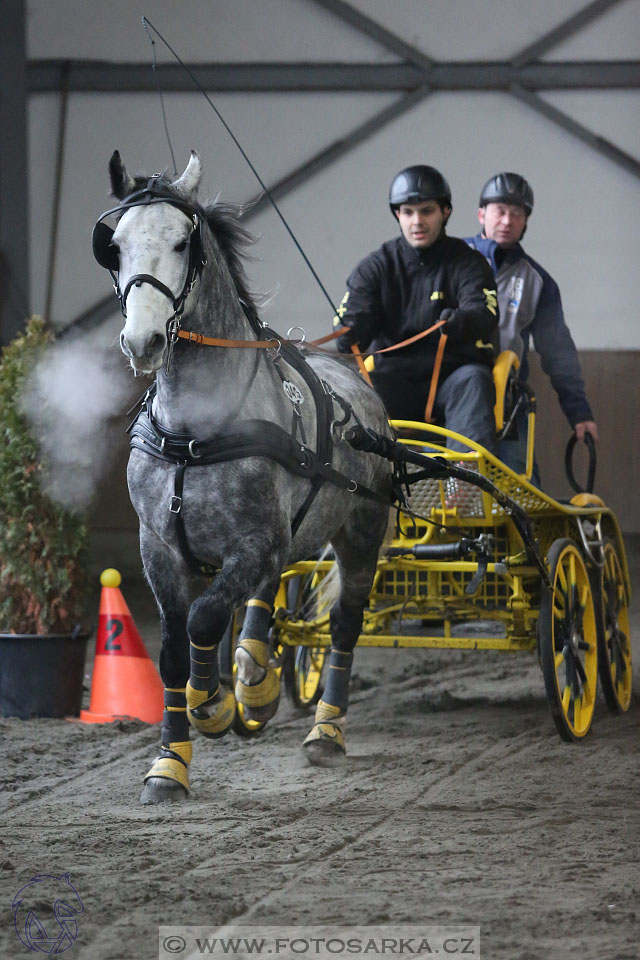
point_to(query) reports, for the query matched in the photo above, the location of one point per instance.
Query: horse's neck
(208, 387)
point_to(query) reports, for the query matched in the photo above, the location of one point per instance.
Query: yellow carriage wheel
(568, 638)
(307, 675)
(614, 638)
(303, 672)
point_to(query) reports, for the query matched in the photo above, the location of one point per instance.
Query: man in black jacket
(406, 286)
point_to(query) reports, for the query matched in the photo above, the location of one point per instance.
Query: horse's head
(156, 252)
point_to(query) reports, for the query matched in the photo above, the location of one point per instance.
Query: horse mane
(223, 220)
(233, 239)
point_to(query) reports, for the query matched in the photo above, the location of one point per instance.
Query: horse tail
(327, 591)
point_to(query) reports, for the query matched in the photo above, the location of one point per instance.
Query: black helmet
(416, 184)
(508, 188)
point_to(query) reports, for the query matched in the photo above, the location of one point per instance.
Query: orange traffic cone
(125, 681)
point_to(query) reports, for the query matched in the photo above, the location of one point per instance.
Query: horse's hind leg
(258, 685)
(356, 549)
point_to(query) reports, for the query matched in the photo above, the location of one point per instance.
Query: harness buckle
(173, 326)
(176, 505)
(274, 352)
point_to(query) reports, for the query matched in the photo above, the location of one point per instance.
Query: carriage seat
(505, 381)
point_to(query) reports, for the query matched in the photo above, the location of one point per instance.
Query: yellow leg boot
(168, 779)
(324, 745)
(211, 714)
(259, 692)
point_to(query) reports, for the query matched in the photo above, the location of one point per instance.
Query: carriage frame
(456, 556)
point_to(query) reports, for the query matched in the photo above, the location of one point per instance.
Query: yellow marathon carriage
(475, 541)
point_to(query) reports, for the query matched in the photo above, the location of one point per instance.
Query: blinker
(103, 249)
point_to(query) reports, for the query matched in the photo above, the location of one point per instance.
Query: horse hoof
(161, 790)
(261, 714)
(321, 753)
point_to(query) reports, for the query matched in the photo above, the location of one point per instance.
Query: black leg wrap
(205, 673)
(336, 691)
(175, 725)
(257, 621)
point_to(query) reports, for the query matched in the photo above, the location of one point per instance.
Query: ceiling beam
(601, 144)
(86, 76)
(562, 32)
(334, 151)
(376, 32)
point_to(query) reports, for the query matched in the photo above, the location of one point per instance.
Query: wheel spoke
(568, 673)
(559, 659)
(558, 612)
(580, 670)
(562, 577)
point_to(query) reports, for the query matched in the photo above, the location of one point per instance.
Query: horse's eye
(181, 246)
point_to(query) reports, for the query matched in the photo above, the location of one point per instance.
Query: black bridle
(106, 252)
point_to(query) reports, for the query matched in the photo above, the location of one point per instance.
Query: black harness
(254, 438)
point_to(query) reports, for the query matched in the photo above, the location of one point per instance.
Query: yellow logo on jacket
(492, 300)
(340, 312)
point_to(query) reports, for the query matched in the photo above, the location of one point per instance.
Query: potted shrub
(42, 559)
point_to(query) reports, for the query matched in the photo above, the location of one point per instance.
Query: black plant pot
(42, 675)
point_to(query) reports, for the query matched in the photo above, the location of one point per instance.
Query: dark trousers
(513, 452)
(464, 402)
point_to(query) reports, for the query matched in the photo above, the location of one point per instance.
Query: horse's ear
(121, 182)
(188, 183)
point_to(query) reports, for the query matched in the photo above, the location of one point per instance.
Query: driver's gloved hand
(455, 323)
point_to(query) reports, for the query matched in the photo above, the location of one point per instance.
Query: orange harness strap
(216, 342)
(271, 344)
(363, 370)
(435, 376)
(374, 353)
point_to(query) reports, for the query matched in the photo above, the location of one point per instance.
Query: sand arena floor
(459, 805)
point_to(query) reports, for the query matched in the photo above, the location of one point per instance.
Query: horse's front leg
(257, 686)
(168, 778)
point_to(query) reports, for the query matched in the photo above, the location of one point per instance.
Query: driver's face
(422, 223)
(503, 222)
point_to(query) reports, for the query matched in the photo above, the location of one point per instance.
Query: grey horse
(217, 529)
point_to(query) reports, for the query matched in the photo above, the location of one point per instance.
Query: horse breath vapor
(69, 398)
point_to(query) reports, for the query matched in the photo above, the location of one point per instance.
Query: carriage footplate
(435, 467)
(169, 771)
(259, 696)
(211, 713)
(324, 744)
(481, 547)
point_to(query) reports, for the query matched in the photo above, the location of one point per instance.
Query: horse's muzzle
(145, 354)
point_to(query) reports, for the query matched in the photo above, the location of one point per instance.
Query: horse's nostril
(156, 342)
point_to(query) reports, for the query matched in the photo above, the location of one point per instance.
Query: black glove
(344, 342)
(454, 326)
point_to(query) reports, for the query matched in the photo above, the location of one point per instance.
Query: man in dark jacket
(405, 287)
(530, 307)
